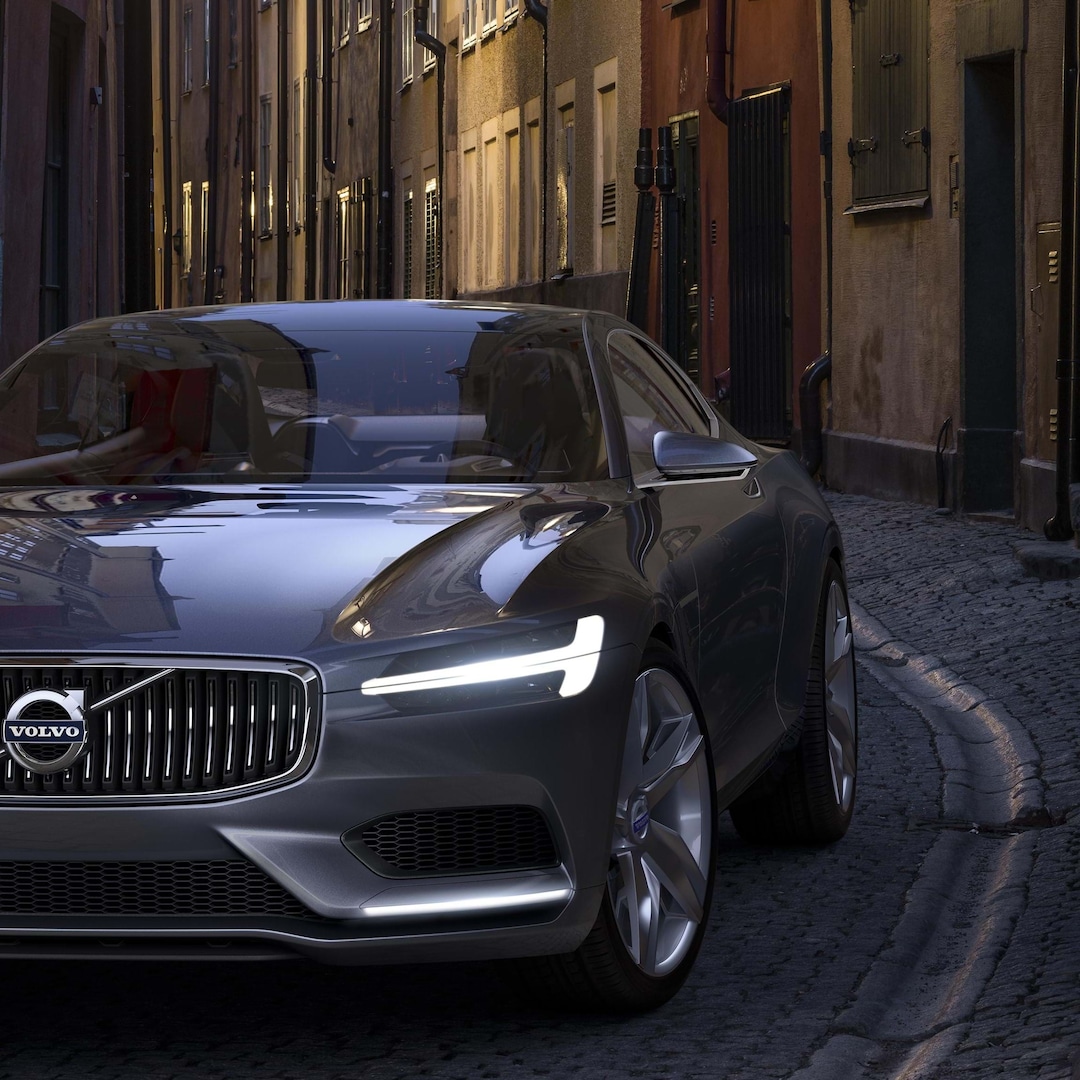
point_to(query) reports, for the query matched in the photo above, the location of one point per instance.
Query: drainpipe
(247, 232)
(716, 58)
(384, 219)
(1059, 527)
(213, 154)
(539, 12)
(438, 50)
(166, 159)
(329, 161)
(311, 196)
(283, 150)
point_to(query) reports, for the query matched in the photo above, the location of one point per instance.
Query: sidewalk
(957, 590)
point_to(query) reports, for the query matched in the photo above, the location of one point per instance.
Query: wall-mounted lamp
(177, 241)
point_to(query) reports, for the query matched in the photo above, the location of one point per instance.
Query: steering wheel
(452, 450)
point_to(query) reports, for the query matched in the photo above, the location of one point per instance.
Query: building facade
(75, 211)
(947, 157)
(739, 84)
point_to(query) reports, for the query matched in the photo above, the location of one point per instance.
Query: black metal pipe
(282, 224)
(1060, 527)
(311, 163)
(669, 244)
(716, 58)
(539, 12)
(438, 50)
(826, 152)
(247, 151)
(328, 160)
(637, 291)
(166, 159)
(384, 216)
(213, 155)
(810, 410)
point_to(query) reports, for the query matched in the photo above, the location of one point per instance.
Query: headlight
(561, 661)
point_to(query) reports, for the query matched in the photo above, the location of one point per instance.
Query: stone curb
(916, 999)
(992, 766)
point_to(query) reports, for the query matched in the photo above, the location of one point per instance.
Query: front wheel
(660, 880)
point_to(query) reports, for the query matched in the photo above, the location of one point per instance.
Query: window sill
(468, 45)
(915, 202)
(365, 24)
(266, 236)
(489, 32)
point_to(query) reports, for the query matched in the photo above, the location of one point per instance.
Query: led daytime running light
(578, 662)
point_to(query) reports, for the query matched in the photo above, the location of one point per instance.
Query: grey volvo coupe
(379, 631)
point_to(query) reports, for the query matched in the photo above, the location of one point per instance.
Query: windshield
(169, 401)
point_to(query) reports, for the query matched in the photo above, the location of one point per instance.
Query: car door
(719, 553)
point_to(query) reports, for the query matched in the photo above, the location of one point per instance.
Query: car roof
(338, 315)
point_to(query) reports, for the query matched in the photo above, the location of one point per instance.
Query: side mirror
(682, 457)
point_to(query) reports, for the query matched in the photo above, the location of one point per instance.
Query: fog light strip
(578, 661)
(468, 904)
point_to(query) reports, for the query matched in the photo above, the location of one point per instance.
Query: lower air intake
(465, 840)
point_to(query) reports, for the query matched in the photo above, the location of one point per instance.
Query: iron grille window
(185, 230)
(344, 246)
(204, 224)
(431, 240)
(297, 163)
(187, 32)
(206, 43)
(266, 193)
(685, 138)
(406, 240)
(564, 189)
(890, 140)
(407, 41)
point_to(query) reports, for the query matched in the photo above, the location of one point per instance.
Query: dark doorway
(52, 313)
(990, 363)
(759, 231)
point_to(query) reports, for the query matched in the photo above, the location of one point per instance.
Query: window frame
(408, 43)
(265, 221)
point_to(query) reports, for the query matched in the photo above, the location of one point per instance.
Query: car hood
(266, 572)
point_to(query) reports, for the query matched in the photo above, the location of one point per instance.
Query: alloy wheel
(662, 846)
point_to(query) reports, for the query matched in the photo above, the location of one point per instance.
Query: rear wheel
(808, 795)
(660, 879)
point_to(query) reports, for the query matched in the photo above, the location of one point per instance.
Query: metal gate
(759, 232)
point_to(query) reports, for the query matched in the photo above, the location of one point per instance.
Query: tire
(808, 795)
(662, 861)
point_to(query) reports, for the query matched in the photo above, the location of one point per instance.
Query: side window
(650, 399)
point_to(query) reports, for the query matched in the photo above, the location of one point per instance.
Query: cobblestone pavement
(921, 946)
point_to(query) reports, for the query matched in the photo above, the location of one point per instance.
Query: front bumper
(561, 758)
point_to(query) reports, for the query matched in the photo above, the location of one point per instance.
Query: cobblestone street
(938, 940)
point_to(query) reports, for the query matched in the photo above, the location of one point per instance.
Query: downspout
(1059, 527)
(310, 151)
(283, 151)
(438, 50)
(166, 159)
(329, 161)
(247, 253)
(539, 12)
(716, 58)
(384, 217)
(820, 371)
(213, 153)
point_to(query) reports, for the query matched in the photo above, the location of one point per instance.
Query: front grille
(196, 730)
(221, 887)
(465, 840)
